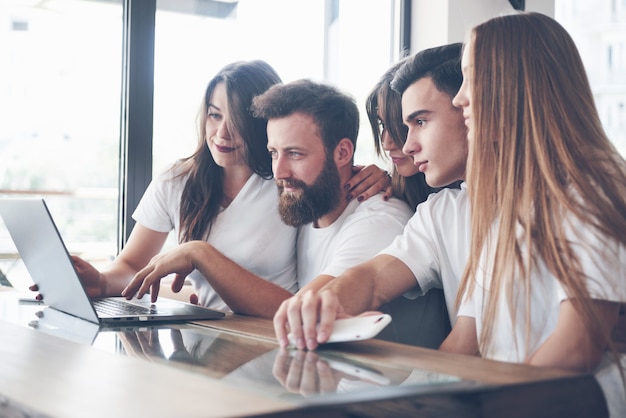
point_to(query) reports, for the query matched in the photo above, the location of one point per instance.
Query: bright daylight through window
(60, 91)
(60, 87)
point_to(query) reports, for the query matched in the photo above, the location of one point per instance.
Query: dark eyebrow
(294, 148)
(211, 105)
(288, 148)
(417, 113)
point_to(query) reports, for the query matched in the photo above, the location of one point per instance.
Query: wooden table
(45, 375)
(502, 389)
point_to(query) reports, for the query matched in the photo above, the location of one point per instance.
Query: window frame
(137, 102)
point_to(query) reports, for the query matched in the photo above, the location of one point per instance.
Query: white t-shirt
(603, 261)
(435, 244)
(249, 232)
(356, 236)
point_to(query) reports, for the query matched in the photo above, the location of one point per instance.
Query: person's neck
(333, 215)
(234, 180)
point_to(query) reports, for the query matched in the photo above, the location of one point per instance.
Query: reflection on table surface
(235, 366)
(254, 363)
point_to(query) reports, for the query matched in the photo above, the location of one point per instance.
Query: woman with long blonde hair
(547, 268)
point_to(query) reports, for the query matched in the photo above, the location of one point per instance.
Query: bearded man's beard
(311, 202)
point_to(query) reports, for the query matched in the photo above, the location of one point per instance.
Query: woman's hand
(179, 261)
(91, 278)
(368, 181)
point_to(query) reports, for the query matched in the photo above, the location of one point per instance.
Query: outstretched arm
(361, 288)
(243, 291)
(142, 245)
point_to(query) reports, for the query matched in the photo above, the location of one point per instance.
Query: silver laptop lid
(39, 243)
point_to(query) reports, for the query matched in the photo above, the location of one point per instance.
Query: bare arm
(142, 245)
(360, 288)
(243, 291)
(462, 339)
(373, 283)
(571, 346)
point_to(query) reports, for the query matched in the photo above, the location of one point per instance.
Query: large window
(348, 43)
(61, 91)
(60, 107)
(341, 42)
(599, 30)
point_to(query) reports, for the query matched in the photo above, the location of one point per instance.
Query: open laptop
(41, 247)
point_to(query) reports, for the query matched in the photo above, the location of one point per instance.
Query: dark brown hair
(203, 191)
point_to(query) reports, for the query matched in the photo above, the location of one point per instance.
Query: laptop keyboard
(120, 307)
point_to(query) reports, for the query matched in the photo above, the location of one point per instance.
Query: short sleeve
(159, 207)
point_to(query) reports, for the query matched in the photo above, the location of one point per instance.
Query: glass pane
(351, 51)
(599, 30)
(192, 45)
(59, 136)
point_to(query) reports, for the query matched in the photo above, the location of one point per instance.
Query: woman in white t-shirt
(419, 320)
(222, 204)
(547, 267)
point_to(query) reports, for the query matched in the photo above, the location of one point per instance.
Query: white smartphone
(356, 328)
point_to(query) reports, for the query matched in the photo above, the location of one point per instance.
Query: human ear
(344, 153)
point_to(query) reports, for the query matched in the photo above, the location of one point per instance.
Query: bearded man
(312, 130)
